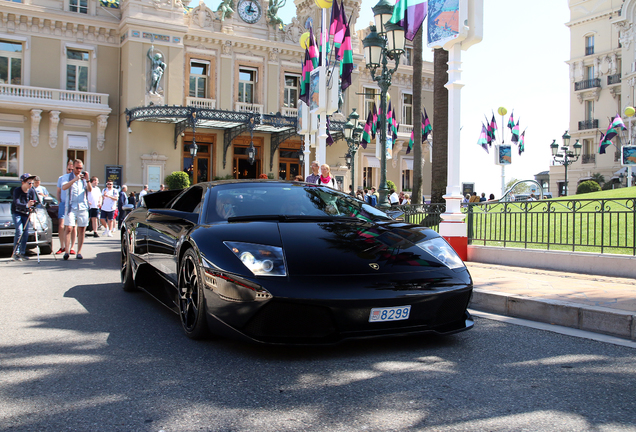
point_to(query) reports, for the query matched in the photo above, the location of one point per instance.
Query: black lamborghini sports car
(291, 263)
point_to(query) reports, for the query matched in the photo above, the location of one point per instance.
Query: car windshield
(252, 201)
(6, 190)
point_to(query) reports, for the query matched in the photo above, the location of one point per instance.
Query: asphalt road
(77, 353)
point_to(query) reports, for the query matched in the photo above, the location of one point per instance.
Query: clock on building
(250, 11)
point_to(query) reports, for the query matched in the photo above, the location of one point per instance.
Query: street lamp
(251, 153)
(193, 149)
(564, 156)
(352, 133)
(379, 47)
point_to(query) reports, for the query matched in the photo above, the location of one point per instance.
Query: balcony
(589, 50)
(588, 158)
(588, 124)
(201, 103)
(72, 102)
(405, 129)
(587, 84)
(289, 112)
(614, 79)
(248, 107)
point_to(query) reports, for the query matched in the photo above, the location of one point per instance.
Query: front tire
(191, 297)
(127, 280)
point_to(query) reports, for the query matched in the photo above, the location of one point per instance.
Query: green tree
(390, 185)
(417, 115)
(440, 135)
(178, 180)
(521, 188)
(598, 178)
(587, 187)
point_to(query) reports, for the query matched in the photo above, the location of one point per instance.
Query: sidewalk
(594, 303)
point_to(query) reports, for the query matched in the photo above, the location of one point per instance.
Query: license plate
(396, 313)
(7, 233)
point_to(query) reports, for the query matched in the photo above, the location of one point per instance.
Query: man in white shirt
(61, 211)
(109, 205)
(94, 202)
(39, 189)
(77, 187)
(144, 191)
(393, 198)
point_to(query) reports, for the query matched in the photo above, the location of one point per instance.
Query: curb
(590, 318)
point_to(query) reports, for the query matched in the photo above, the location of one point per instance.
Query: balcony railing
(588, 124)
(201, 103)
(405, 129)
(289, 112)
(26, 93)
(248, 107)
(588, 158)
(589, 50)
(614, 79)
(586, 84)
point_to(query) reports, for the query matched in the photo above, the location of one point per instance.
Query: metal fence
(585, 225)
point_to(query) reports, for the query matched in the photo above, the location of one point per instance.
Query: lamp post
(564, 156)
(385, 42)
(352, 133)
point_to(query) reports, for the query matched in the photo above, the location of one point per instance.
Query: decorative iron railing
(614, 79)
(586, 84)
(586, 225)
(588, 124)
(589, 158)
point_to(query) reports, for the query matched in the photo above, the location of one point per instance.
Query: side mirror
(128, 207)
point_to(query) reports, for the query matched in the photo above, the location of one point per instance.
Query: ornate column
(54, 120)
(36, 116)
(102, 122)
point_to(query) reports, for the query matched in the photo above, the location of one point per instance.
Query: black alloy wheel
(191, 298)
(127, 279)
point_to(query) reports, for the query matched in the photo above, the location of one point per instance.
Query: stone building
(116, 84)
(602, 74)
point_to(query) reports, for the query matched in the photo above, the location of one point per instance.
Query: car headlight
(261, 260)
(442, 251)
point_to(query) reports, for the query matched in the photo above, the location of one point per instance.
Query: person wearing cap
(24, 198)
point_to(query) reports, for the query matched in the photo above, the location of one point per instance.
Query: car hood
(325, 248)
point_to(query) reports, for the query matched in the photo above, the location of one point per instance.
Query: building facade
(602, 75)
(72, 71)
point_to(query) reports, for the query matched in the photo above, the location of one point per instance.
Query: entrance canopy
(233, 123)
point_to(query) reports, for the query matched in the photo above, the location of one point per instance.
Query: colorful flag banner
(612, 130)
(345, 53)
(409, 14)
(522, 142)
(515, 133)
(483, 138)
(426, 130)
(511, 121)
(306, 78)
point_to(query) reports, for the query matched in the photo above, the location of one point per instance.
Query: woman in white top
(325, 178)
(109, 205)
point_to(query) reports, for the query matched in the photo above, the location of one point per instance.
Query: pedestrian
(109, 204)
(40, 190)
(394, 199)
(77, 188)
(377, 195)
(122, 200)
(483, 197)
(132, 199)
(61, 211)
(325, 178)
(407, 199)
(161, 188)
(143, 192)
(94, 203)
(491, 197)
(474, 198)
(315, 175)
(23, 200)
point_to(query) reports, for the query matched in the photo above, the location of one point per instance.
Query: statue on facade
(272, 13)
(157, 67)
(293, 30)
(225, 9)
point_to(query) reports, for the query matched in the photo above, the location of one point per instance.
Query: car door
(166, 229)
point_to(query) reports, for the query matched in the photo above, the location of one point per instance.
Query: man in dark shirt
(315, 175)
(24, 198)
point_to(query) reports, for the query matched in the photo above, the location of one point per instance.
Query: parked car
(40, 221)
(289, 262)
(52, 206)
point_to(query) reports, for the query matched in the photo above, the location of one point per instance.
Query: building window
(589, 45)
(199, 72)
(367, 177)
(408, 56)
(589, 72)
(10, 63)
(369, 101)
(8, 160)
(406, 179)
(247, 85)
(587, 147)
(290, 98)
(407, 109)
(77, 64)
(72, 154)
(80, 6)
(589, 110)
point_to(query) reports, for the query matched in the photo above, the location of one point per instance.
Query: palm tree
(440, 135)
(417, 115)
(598, 178)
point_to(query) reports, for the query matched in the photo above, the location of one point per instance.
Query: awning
(9, 137)
(372, 162)
(621, 171)
(78, 142)
(407, 164)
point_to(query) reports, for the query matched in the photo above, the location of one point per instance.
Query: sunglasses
(29, 182)
(109, 184)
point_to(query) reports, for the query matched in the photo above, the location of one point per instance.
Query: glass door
(198, 169)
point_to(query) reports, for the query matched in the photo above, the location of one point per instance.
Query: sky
(520, 65)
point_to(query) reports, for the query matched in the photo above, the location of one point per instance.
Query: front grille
(285, 322)
(452, 309)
